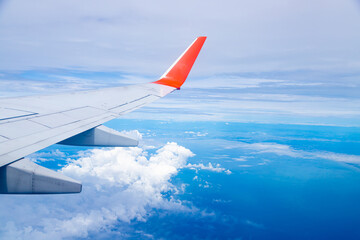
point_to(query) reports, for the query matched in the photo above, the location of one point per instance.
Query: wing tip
(176, 75)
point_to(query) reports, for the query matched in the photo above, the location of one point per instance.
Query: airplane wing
(29, 124)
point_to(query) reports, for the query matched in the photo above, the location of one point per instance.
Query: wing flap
(26, 177)
(101, 136)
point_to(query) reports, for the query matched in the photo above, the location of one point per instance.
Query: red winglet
(176, 75)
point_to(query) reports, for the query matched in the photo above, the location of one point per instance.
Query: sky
(270, 109)
(304, 56)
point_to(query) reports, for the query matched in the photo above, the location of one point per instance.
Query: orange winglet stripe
(178, 72)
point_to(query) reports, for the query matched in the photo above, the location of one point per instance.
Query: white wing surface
(29, 124)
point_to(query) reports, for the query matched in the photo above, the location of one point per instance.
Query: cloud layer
(263, 61)
(120, 185)
(286, 150)
(145, 37)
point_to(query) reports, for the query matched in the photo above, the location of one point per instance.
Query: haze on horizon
(303, 56)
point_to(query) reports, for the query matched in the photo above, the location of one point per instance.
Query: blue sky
(271, 109)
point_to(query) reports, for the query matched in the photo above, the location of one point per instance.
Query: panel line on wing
(130, 102)
(133, 108)
(130, 106)
(20, 116)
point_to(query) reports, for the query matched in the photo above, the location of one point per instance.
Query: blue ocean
(249, 181)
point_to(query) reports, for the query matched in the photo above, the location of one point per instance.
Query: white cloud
(281, 49)
(209, 167)
(131, 35)
(46, 156)
(197, 134)
(286, 150)
(253, 224)
(241, 159)
(221, 201)
(232, 105)
(119, 185)
(246, 165)
(134, 134)
(279, 149)
(338, 157)
(231, 82)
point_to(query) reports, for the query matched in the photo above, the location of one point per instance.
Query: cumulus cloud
(120, 185)
(133, 134)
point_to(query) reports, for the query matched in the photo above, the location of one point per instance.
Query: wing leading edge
(29, 124)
